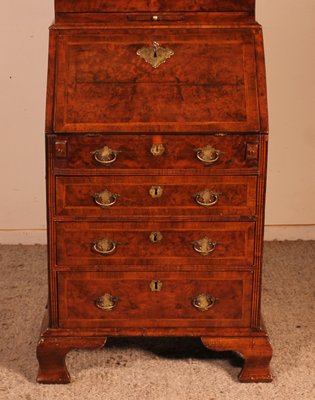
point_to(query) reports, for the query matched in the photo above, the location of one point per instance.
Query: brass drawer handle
(105, 198)
(208, 155)
(106, 302)
(106, 155)
(207, 198)
(104, 246)
(203, 301)
(204, 246)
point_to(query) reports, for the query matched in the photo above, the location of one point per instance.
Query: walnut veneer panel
(235, 195)
(75, 241)
(209, 84)
(152, 5)
(135, 153)
(138, 306)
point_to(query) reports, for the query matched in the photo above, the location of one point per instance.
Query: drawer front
(80, 6)
(154, 299)
(162, 244)
(116, 196)
(221, 153)
(104, 83)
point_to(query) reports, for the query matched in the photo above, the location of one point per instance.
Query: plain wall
(289, 32)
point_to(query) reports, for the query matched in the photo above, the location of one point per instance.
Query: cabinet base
(54, 344)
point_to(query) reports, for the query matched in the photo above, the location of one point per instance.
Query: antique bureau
(156, 144)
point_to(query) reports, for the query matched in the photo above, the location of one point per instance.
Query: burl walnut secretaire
(156, 144)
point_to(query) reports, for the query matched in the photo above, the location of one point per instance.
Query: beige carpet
(161, 369)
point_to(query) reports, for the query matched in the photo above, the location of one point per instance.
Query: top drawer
(105, 83)
(104, 154)
(152, 5)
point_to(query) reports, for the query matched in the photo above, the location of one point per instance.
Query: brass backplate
(155, 286)
(155, 55)
(155, 237)
(156, 192)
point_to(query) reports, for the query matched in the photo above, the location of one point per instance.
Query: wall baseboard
(16, 236)
(272, 232)
(289, 232)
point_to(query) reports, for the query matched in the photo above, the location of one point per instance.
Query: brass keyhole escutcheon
(155, 237)
(155, 286)
(157, 149)
(156, 192)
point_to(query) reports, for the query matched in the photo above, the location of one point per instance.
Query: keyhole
(156, 191)
(155, 46)
(155, 285)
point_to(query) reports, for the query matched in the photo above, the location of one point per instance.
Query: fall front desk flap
(155, 80)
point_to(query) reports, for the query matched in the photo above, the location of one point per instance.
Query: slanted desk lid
(112, 80)
(152, 5)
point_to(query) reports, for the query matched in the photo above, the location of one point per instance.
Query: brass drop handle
(104, 246)
(207, 198)
(105, 198)
(203, 301)
(208, 155)
(204, 246)
(106, 302)
(105, 156)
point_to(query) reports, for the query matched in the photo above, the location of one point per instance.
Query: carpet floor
(161, 369)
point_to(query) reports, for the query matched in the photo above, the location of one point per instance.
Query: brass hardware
(106, 302)
(203, 301)
(207, 198)
(61, 149)
(156, 286)
(157, 149)
(252, 151)
(208, 154)
(105, 156)
(155, 18)
(204, 246)
(155, 55)
(156, 192)
(155, 237)
(104, 246)
(105, 198)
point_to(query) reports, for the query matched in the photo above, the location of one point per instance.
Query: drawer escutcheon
(155, 55)
(156, 286)
(156, 192)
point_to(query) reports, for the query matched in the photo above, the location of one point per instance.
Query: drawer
(105, 82)
(115, 196)
(162, 244)
(106, 153)
(126, 299)
(123, 6)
